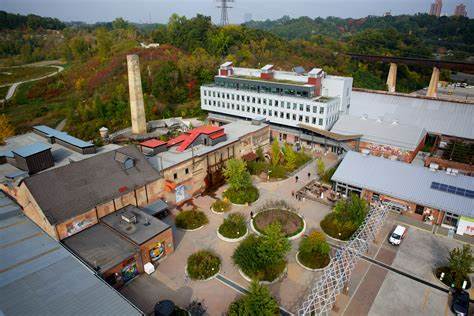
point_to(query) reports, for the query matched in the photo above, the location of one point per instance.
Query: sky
(158, 11)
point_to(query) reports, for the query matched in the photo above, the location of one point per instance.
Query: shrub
(191, 219)
(337, 229)
(327, 175)
(314, 251)
(258, 301)
(277, 172)
(221, 205)
(234, 226)
(449, 278)
(257, 167)
(353, 209)
(202, 265)
(263, 257)
(247, 195)
(236, 174)
(461, 262)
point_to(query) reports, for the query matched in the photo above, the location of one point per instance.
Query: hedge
(234, 226)
(244, 196)
(202, 265)
(191, 219)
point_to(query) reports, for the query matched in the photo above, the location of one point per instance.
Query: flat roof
(155, 207)
(145, 228)
(234, 131)
(436, 116)
(51, 132)
(380, 131)
(101, 247)
(38, 276)
(31, 149)
(405, 181)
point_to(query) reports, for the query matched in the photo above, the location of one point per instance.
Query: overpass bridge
(424, 62)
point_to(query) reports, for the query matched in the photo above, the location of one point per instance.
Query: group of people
(296, 195)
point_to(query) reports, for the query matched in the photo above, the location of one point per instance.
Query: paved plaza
(374, 289)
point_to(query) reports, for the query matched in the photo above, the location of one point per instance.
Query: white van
(397, 235)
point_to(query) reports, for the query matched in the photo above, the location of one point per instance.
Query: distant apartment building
(436, 7)
(289, 101)
(460, 10)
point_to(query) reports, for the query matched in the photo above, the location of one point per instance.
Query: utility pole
(224, 5)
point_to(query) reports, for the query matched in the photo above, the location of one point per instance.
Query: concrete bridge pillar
(433, 87)
(392, 78)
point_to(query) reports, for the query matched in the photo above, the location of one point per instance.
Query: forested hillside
(93, 90)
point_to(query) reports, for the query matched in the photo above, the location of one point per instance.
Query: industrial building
(431, 196)
(38, 276)
(283, 99)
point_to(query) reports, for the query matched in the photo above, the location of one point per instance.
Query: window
(275, 113)
(321, 110)
(301, 107)
(205, 94)
(214, 94)
(281, 114)
(258, 111)
(264, 112)
(175, 176)
(306, 119)
(287, 116)
(238, 97)
(294, 106)
(313, 121)
(265, 101)
(253, 99)
(294, 117)
(419, 209)
(300, 118)
(308, 108)
(186, 170)
(253, 109)
(288, 105)
(451, 219)
(276, 102)
(238, 107)
(320, 122)
(270, 102)
(259, 101)
(270, 112)
(315, 109)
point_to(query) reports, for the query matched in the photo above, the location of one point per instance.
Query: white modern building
(282, 98)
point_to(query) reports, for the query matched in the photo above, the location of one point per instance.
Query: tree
(6, 130)
(276, 152)
(104, 42)
(353, 209)
(321, 167)
(236, 174)
(259, 153)
(290, 157)
(315, 243)
(257, 302)
(273, 245)
(461, 262)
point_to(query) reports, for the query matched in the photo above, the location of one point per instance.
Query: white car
(397, 235)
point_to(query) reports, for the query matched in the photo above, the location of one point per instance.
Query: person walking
(251, 215)
(309, 175)
(296, 179)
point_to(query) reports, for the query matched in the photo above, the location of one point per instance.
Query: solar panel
(452, 189)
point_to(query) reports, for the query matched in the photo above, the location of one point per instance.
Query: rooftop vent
(126, 161)
(434, 166)
(129, 218)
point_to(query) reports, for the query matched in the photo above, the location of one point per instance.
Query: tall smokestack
(137, 107)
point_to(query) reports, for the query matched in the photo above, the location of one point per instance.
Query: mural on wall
(129, 272)
(76, 226)
(157, 251)
(388, 151)
(181, 194)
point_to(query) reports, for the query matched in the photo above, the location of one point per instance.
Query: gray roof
(405, 181)
(155, 207)
(65, 192)
(234, 131)
(38, 276)
(380, 131)
(438, 117)
(101, 247)
(65, 137)
(31, 149)
(145, 228)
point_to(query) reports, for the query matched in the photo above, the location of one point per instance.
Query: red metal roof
(188, 138)
(152, 143)
(217, 135)
(177, 140)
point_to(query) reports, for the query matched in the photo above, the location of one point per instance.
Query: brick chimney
(226, 69)
(137, 107)
(315, 78)
(266, 72)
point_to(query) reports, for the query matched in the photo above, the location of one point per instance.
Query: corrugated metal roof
(152, 143)
(62, 136)
(31, 149)
(405, 181)
(38, 276)
(380, 131)
(439, 117)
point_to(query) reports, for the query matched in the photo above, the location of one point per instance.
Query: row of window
(270, 113)
(271, 102)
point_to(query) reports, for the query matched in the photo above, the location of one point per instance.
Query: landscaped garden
(221, 206)
(202, 265)
(258, 301)
(325, 175)
(283, 160)
(460, 265)
(234, 226)
(263, 257)
(347, 216)
(241, 189)
(313, 252)
(191, 220)
(278, 212)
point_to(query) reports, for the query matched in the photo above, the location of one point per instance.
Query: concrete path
(14, 86)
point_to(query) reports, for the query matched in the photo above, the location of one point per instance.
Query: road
(15, 85)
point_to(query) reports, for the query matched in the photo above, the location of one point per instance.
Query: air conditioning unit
(129, 218)
(434, 166)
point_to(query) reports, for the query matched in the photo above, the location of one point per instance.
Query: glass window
(287, 116)
(270, 102)
(321, 110)
(313, 121)
(315, 109)
(301, 107)
(294, 106)
(276, 102)
(306, 119)
(308, 108)
(320, 122)
(300, 118)
(294, 117)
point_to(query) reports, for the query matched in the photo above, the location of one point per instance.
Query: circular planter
(294, 237)
(218, 213)
(309, 269)
(208, 279)
(245, 204)
(441, 282)
(333, 238)
(232, 239)
(279, 278)
(191, 230)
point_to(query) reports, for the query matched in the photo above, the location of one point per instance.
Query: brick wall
(165, 237)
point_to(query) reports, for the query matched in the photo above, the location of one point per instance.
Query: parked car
(397, 235)
(460, 303)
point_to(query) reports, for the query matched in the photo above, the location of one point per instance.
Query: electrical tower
(224, 5)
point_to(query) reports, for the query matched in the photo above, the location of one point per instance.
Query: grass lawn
(15, 74)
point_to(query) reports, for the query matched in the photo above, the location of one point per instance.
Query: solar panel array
(452, 189)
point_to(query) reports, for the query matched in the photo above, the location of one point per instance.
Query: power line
(224, 5)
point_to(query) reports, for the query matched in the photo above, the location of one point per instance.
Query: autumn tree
(6, 130)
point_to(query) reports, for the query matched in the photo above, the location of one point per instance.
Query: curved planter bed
(309, 269)
(218, 213)
(192, 230)
(334, 239)
(279, 278)
(208, 279)
(232, 239)
(294, 237)
(235, 204)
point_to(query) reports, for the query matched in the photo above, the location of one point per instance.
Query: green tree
(354, 209)
(104, 43)
(257, 302)
(276, 152)
(315, 243)
(290, 157)
(236, 174)
(321, 167)
(120, 23)
(461, 262)
(259, 153)
(273, 245)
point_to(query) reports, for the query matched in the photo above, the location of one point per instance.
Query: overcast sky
(160, 10)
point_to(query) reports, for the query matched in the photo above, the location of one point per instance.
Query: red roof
(188, 138)
(152, 143)
(217, 135)
(177, 140)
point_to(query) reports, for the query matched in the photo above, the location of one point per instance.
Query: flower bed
(203, 265)
(221, 206)
(291, 223)
(336, 229)
(247, 195)
(191, 220)
(233, 227)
